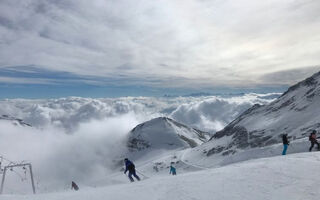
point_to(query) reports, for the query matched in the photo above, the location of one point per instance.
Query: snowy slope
(197, 157)
(164, 133)
(191, 159)
(296, 112)
(293, 177)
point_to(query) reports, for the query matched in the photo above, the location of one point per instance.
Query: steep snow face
(164, 133)
(296, 112)
(14, 121)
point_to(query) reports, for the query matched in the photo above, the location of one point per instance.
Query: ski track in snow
(182, 159)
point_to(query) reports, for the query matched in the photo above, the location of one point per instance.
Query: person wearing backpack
(313, 140)
(285, 143)
(132, 170)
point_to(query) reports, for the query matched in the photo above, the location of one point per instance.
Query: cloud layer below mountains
(68, 114)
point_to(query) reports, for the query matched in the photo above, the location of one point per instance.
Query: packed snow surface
(293, 177)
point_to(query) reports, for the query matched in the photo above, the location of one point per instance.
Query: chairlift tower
(12, 165)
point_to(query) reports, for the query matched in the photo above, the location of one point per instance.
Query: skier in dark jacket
(131, 168)
(285, 143)
(74, 186)
(313, 140)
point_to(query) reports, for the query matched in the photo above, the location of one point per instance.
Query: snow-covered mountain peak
(296, 113)
(311, 83)
(298, 97)
(13, 120)
(164, 133)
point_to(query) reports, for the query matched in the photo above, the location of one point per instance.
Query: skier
(131, 168)
(313, 140)
(74, 186)
(285, 143)
(172, 170)
(155, 168)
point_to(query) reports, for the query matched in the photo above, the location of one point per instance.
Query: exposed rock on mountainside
(296, 112)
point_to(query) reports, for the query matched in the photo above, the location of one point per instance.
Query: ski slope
(293, 177)
(197, 157)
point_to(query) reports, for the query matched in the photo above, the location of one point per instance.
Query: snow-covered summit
(296, 113)
(311, 83)
(13, 120)
(164, 133)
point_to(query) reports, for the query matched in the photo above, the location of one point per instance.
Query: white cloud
(92, 152)
(203, 43)
(24, 80)
(214, 113)
(69, 113)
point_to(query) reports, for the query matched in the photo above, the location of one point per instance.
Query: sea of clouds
(83, 139)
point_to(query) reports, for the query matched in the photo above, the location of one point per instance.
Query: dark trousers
(133, 173)
(312, 144)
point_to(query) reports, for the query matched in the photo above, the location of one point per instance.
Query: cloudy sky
(142, 47)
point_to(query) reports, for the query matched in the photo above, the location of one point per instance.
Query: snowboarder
(131, 168)
(285, 143)
(74, 186)
(172, 170)
(313, 140)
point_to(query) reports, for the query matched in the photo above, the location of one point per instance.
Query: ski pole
(142, 174)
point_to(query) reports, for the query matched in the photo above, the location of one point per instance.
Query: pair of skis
(144, 177)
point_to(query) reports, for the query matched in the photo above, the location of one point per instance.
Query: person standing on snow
(285, 143)
(172, 170)
(132, 170)
(313, 140)
(74, 186)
